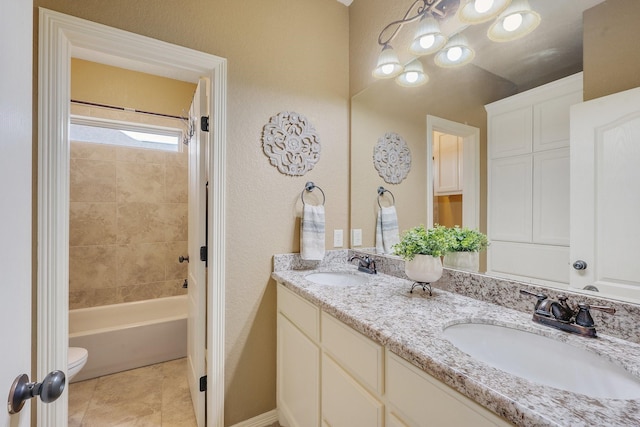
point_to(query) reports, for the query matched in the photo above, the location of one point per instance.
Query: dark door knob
(22, 390)
(183, 259)
(580, 265)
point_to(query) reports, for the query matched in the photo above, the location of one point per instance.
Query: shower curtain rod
(132, 110)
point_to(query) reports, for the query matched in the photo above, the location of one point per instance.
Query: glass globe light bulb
(481, 6)
(387, 69)
(411, 77)
(454, 53)
(512, 22)
(427, 41)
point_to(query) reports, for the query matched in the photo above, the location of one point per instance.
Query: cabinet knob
(580, 265)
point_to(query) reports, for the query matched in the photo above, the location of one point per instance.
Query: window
(127, 134)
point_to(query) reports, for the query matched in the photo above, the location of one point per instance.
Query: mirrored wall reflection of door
(448, 173)
(453, 180)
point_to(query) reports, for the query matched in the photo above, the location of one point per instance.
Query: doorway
(459, 197)
(61, 38)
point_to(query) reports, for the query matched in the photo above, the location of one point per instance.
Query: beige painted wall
(283, 55)
(611, 60)
(107, 85)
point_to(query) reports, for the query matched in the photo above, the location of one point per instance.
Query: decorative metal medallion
(291, 143)
(392, 158)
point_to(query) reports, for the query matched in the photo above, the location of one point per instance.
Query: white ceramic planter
(467, 261)
(424, 268)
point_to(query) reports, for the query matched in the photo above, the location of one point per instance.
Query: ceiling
(555, 45)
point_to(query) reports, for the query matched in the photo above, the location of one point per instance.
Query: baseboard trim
(262, 420)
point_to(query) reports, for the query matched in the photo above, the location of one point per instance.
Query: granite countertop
(411, 326)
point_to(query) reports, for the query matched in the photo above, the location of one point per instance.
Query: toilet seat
(76, 359)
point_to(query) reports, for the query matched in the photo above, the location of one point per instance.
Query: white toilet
(76, 359)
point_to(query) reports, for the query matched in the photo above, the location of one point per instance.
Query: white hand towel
(387, 232)
(312, 233)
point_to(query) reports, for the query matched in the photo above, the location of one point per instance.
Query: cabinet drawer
(363, 358)
(424, 401)
(302, 313)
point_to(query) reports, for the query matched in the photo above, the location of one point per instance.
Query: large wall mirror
(553, 51)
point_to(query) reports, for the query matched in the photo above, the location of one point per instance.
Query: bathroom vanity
(369, 353)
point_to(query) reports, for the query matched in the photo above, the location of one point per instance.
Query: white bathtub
(129, 335)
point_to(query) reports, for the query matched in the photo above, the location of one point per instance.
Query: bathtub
(129, 335)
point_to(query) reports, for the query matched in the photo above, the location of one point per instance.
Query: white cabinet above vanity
(528, 182)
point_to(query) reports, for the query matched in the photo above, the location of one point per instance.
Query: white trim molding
(62, 37)
(262, 420)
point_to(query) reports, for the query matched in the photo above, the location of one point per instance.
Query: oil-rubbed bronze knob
(183, 259)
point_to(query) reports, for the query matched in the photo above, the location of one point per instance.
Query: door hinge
(203, 383)
(203, 253)
(204, 123)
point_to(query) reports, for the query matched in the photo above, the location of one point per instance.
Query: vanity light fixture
(413, 75)
(515, 19)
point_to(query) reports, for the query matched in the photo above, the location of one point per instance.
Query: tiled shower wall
(128, 224)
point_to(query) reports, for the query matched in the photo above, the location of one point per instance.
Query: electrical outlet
(356, 237)
(337, 238)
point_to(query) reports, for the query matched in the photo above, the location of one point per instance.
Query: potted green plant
(464, 252)
(421, 249)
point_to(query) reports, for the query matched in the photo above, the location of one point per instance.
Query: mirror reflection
(458, 97)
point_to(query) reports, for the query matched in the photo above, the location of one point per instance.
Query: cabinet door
(447, 153)
(298, 376)
(510, 133)
(551, 121)
(551, 197)
(345, 403)
(424, 401)
(510, 199)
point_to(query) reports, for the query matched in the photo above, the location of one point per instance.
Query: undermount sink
(544, 360)
(336, 278)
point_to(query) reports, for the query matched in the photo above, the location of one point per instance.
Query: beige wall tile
(140, 182)
(175, 222)
(92, 151)
(178, 159)
(92, 223)
(140, 263)
(92, 267)
(92, 181)
(173, 268)
(140, 223)
(139, 155)
(176, 184)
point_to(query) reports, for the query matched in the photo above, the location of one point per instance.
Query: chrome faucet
(366, 264)
(559, 315)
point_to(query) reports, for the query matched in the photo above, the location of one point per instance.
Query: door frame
(62, 37)
(471, 163)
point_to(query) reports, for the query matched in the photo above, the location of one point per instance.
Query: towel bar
(310, 186)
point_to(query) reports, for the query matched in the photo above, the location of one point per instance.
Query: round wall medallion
(392, 158)
(291, 143)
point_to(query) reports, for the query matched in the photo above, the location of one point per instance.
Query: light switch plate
(337, 239)
(356, 237)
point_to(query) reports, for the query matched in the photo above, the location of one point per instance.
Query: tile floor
(152, 396)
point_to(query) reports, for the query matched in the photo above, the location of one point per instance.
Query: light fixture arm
(424, 6)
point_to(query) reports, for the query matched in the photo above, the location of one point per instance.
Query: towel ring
(310, 186)
(381, 191)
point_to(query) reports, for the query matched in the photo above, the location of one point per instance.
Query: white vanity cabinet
(298, 361)
(333, 376)
(528, 182)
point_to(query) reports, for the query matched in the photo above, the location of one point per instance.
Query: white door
(197, 290)
(15, 200)
(605, 194)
